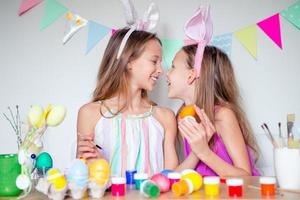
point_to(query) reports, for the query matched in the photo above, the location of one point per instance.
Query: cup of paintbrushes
(287, 167)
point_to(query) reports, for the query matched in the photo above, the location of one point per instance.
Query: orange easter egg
(187, 111)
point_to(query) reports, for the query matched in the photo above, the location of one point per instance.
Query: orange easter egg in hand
(190, 112)
(187, 111)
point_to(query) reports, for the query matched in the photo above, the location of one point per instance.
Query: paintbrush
(282, 144)
(268, 132)
(93, 143)
(290, 124)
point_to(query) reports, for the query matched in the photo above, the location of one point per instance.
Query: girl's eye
(154, 62)
(173, 66)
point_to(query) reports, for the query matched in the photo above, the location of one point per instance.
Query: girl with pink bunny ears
(132, 131)
(221, 141)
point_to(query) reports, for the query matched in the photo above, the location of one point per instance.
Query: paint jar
(166, 172)
(211, 186)
(150, 189)
(118, 186)
(130, 179)
(267, 186)
(235, 187)
(174, 177)
(193, 176)
(182, 187)
(139, 178)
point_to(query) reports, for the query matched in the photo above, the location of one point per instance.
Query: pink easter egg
(162, 182)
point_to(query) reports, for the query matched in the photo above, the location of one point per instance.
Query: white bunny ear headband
(147, 23)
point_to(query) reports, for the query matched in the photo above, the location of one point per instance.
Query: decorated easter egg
(43, 162)
(78, 173)
(162, 182)
(56, 178)
(187, 111)
(56, 115)
(100, 171)
(35, 114)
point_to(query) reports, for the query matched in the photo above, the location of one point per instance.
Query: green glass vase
(9, 171)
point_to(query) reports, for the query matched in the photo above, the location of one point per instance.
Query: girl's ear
(192, 76)
(129, 65)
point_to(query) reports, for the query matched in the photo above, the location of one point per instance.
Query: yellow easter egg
(60, 183)
(100, 171)
(56, 178)
(194, 177)
(35, 114)
(56, 115)
(53, 174)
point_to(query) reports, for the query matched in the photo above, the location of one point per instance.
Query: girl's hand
(209, 127)
(86, 147)
(197, 134)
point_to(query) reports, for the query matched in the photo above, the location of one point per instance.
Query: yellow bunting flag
(248, 38)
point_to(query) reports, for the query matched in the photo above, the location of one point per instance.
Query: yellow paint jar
(211, 186)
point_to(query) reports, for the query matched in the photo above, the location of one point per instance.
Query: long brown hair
(217, 86)
(112, 78)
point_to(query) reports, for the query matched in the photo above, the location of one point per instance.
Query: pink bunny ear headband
(148, 23)
(198, 30)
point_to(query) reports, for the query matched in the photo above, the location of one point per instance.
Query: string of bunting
(247, 36)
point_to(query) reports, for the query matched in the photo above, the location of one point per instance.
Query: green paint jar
(10, 169)
(139, 178)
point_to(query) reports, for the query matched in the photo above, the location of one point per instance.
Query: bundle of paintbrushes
(291, 141)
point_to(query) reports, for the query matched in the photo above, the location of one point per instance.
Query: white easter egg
(22, 182)
(56, 115)
(35, 114)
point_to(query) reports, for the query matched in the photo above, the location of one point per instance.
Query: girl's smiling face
(179, 77)
(145, 70)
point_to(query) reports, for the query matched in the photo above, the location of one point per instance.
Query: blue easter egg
(78, 173)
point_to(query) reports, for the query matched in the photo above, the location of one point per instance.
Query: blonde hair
(112, 78)
(217, 86)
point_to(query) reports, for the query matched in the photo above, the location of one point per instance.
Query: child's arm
(189, 163)
(227, 126)
(86, 121)
(167, 119)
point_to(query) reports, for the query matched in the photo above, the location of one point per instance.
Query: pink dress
(220, 150)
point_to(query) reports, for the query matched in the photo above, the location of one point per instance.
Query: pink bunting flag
(113, 31)
(27, 5)
(271, 27)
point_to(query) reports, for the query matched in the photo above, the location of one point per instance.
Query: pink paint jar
(118, 186)
(235, 187)
(173, 177)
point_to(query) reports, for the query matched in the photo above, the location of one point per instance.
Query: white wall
(35, 68)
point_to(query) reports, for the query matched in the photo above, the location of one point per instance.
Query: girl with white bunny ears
(132, 131)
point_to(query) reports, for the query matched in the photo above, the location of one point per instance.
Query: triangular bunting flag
(74, 23)
(113, 30)
(96, 33)
(53, 10)
(292, 14)
(27, 5)
(224, 42)
(170, 48)
(271, 27)
(247, 38)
